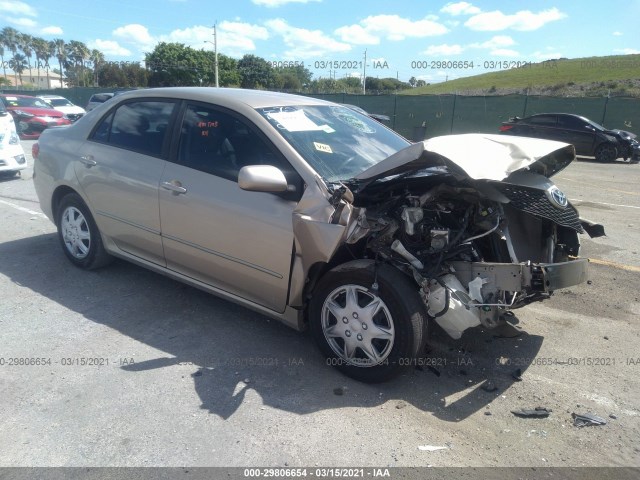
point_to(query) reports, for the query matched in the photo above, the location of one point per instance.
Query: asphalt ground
(124, 367)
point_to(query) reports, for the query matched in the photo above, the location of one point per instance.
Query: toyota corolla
(316, 215)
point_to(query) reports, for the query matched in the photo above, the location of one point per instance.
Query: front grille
(536, 203)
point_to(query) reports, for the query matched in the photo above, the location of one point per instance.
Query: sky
(426, 39)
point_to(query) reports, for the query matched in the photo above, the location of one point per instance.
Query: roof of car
(230, 97)
(50, 96)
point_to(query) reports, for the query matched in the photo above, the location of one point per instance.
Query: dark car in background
(589, 138)
(32, 115)
(97, 99)
(376, 116)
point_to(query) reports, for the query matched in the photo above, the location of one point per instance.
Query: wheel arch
(58, 194)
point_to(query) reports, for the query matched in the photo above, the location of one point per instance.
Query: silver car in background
(314, 214)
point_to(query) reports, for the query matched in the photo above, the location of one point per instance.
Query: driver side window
(216, 142)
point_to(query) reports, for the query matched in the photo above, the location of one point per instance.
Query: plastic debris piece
(538, 412)
(431, 448)
(489, 386)
(587, 419)
(475, 287)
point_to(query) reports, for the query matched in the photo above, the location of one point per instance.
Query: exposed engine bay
(476, 247)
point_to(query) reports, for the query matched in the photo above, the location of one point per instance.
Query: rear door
(543, 126)
(119, 168)
(213, 231)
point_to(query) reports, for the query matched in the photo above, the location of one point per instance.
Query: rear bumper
(525, 277)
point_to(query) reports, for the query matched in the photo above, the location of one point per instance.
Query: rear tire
(79, 235)
(369, 335)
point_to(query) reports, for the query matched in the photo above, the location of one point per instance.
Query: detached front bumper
(524, 277)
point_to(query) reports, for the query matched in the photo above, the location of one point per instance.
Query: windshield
(593, 124)
(336, 141)
(25, 102)
(60, 102)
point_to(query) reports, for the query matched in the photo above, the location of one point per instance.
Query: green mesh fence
(424, 116)
(623, 113)
(419, 117)
(592, 108)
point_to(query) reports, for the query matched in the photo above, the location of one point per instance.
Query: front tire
(606, 153)
(79, 235)
(369, 334)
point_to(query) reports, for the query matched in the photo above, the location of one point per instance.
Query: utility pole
(215, 50)
(364, 73)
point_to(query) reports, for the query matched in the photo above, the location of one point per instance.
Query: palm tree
(25, 42)
(4, 65)
(41, 50)
(60, 50)
(97, 58)
(51, 53)
(9, 38)
(78, 53)
(18, 63)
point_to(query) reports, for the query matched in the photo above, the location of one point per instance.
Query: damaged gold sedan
(313, 214)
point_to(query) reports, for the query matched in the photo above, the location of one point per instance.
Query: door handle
(88, 161)
(174, 186)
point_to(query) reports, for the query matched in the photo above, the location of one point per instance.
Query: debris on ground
(587, 419)
(517, 374)
(489, 386)
(431, 448)
(538, 412)
(339, 390)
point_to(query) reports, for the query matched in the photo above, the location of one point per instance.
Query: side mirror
(262, 178)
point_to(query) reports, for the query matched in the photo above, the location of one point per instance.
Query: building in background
(38, 80)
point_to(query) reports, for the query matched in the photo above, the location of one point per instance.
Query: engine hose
(465, 224)
(447, 300)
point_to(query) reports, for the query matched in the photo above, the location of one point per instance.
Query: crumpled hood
(622, 133)
(478, 156)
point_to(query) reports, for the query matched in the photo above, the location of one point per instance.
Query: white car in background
(12, 158)
(71, 110)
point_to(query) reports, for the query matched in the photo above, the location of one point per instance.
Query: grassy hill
(590, 76)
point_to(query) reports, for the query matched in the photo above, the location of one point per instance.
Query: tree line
(170, 64)
(76, 62)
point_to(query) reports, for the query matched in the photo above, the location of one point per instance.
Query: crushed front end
(477, 244)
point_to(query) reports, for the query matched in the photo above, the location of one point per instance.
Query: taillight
(504, 128)
(35, 150)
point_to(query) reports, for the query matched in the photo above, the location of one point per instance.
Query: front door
(213, 231)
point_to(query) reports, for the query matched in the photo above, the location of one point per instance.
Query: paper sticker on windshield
(295, 121)
(321, 147)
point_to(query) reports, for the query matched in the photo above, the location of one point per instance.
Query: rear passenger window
(570, 123)
(140, 126)
(543, 120)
